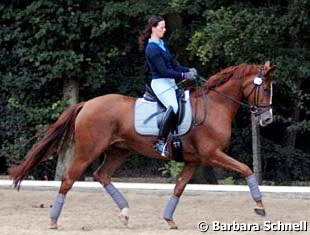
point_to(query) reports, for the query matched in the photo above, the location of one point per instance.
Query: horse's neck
(225, 97)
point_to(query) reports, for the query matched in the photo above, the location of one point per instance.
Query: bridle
(256, 108)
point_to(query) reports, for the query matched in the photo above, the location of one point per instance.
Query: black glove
(189, 75)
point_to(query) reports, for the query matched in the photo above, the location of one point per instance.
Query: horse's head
(257, 89)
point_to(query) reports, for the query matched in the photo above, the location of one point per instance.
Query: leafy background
(44, 42)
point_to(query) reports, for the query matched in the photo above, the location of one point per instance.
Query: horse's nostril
(266, 121)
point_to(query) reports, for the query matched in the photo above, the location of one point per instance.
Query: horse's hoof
(53, 226)
(124, 216)
(86, 228)
(124, 219)
(171, 224)
(260, 211)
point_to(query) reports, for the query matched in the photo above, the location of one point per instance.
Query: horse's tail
(55, 137)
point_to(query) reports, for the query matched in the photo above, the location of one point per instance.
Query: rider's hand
(193, 70)
(189, 75)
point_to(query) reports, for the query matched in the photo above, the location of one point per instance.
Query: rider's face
(159, 30)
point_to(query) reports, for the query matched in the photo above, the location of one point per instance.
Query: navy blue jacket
(162, 64)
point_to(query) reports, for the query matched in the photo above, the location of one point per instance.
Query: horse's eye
(267, 91)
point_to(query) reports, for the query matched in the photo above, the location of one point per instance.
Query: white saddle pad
(144, 109)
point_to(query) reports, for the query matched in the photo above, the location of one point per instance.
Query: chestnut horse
(104, 125)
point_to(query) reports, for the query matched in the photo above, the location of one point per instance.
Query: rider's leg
(164, 88)
(164, 129)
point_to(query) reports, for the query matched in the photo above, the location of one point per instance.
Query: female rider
(165, 71)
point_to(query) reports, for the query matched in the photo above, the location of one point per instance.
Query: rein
(245, 104)
(213, 88)
(204, 101)
(255, 108)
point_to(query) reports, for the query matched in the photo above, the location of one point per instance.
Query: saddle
(150, 96)
(149, 112)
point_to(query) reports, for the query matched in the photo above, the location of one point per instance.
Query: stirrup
(161, 147)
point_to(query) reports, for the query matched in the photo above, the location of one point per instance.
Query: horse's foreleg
(223, 160)
(113, 160)
(186, 174)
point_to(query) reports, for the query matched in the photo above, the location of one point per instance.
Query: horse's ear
(268, 67)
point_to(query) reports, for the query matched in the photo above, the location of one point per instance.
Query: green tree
(50, 46)
(46, 44)
(240, 34)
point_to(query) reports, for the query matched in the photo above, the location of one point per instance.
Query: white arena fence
(298, 191)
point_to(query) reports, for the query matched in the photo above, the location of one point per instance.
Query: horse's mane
(232, 72)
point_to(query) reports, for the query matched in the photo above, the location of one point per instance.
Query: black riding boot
(165, 127)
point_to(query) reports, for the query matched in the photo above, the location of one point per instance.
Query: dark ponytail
(152, 22)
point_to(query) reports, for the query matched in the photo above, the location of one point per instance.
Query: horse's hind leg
(85, 153)
(113, 160)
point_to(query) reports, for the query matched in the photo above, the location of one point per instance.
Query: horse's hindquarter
(101, 119)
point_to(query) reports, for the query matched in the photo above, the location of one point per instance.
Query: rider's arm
(155, 58)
